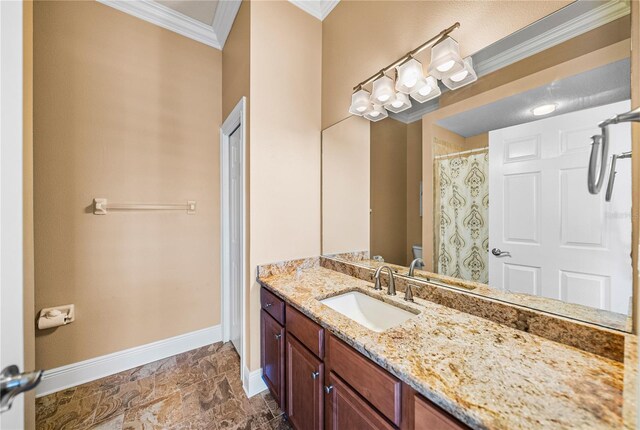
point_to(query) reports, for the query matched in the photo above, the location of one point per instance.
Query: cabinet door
(272, 356)
(305, 374)
(346, 410)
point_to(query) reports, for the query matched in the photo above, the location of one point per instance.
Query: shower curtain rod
(455, 154)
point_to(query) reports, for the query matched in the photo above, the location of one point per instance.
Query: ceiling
(202, 11)
(207, 21)
(603, 85)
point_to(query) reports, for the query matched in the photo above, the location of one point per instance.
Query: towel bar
(101, 206)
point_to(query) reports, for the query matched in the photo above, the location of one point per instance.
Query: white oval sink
(371, 313)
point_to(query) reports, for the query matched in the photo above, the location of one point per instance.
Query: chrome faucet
(413, 265)
(392, 283)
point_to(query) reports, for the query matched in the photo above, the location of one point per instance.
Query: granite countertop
(572, 310)
(487, 375)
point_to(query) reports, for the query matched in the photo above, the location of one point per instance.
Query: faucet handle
(408, 294)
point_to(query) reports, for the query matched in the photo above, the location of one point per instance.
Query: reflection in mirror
(505, 210)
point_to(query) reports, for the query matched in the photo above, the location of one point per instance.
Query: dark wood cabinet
(428, 416)
(347, 410)
(381, 389)
(272, 356)
(321, 381)
(305, 376)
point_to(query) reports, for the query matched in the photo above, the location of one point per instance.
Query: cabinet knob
(268, 305)
(328, 389)
(314, 375)
(278, 336)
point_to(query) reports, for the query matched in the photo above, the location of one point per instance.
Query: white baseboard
(253, 383)
(95, 368)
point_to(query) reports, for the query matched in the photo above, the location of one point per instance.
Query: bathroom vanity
(438, 369)
(316, 378)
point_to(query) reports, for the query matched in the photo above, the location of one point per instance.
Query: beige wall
(236, 66)
(414, 177)
(360, 37)
(345, 186)
(27, 210)
(286, 55)
(389, 190)
(125, 110)
(236, 61)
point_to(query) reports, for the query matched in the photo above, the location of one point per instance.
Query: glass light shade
(409, 75)
(544, 109)
(445, 59)
(463, 77)
(428, 89)
(360, 102)
(400, 103)
(376, 113)
(383, 91)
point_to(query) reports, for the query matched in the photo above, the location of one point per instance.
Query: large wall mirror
(487, 184)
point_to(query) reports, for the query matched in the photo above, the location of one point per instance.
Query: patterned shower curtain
(462, 202)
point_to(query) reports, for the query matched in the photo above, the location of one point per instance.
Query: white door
(235, 235)
(563, 242)
(12, 382)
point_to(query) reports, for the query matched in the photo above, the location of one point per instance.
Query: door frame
(235, 120)
(11, 199)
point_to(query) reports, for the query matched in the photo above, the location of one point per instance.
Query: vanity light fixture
(427, 89)
(445, 62)
(409, 75)
(544, 109)
(360, 102)
(376, 113)
(463, 77)
(383, 91)
(445, 59)
(400, 103)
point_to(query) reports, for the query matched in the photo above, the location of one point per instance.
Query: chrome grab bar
(595, 179)
(612, 173)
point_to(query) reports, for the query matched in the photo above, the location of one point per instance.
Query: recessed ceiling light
(544, 109)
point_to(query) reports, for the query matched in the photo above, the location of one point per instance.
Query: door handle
(277, 336)
(328, 389)
(498, 253)
(12, 383)
(314, 375)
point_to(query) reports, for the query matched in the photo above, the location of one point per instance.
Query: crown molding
(212, 35)
(604, 14)
(226, 12)
(319, 9)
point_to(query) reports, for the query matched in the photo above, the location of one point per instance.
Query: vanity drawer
(306, 331)
(272, 305)
(373, 383)
(430, 417)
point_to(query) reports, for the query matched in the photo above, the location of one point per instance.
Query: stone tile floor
(199, 389)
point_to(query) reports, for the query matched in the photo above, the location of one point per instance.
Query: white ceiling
(202, 11)
(207, 21)
(600, 86)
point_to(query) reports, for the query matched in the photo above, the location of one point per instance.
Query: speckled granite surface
(588, 337)
(579, 312)
(488, 375)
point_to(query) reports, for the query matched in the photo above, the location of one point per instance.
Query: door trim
(11, 222)
(235, 119)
